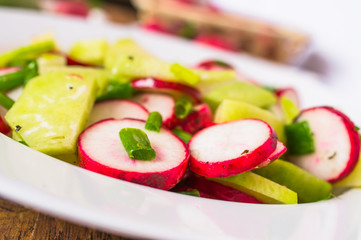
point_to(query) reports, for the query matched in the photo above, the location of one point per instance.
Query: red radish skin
(199, 119)
(4, 128)
(162, 103)
(157, 85)
(231, 148)
(101, 151)
(337, 144)
(278, 152)
(214, 65)
(117, 109)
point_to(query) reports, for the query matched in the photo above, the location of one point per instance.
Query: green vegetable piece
(240, 91)
(188, 31)
(215, 76)
(259, 187)
(47, 60)
(299, 138)
(184, 136)
(100, 76)
(185, 74)
(28, 52)
(24, 143)
(154, 122)
(15, 79)
(89, 51)
(52, 111)
(230, 110)
(289, 109)
(193, 192)
(309, 188)
(117, 90)
(182, 107)
(5, 101)
(32, 71)
(137, 144)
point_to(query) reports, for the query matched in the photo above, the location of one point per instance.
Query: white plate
(66, 191)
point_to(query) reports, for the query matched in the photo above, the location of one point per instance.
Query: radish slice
(231, 148)
(162, 103)
(152, 84)
(117, 109)
(278, 152)
(200, 118)
(214, 65)
(101, 151)
(4, 128)
(290, 93)
(337, 144)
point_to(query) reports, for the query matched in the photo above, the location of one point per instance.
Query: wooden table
(19, 222)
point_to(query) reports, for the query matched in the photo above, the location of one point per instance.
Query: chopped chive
(117, 90)
(5, 101)
(184, 136)
(154, 122)
(32, 71)
(137, 144)
(193, 192)
(299, 138)
(182, 107)
(185, 74)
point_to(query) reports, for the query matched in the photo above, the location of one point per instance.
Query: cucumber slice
(230, 110)
(100, 76)
(259, 187)
(241, 91)
(52, 111)
(89, 51)
(309, 188)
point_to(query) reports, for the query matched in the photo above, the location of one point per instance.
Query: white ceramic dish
(57, 188)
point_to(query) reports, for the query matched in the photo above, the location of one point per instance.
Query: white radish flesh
(101, 150)
(337, 144)
(231, 148)
(156, 102)
(117, 109)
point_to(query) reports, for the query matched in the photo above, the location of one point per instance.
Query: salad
(204, 130)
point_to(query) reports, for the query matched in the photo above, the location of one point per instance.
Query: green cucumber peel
(5, 101)
(184, 136)
(299, 138)
(137, 144)
(193, 192)
(117, 90)
(154, 122)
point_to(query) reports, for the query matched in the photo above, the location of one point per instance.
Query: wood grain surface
(18, 222)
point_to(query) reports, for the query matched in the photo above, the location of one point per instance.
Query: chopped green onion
(137, 144)
(32, 71)
(185, 74)
(299, 138)
(5, 101)
(184, 136)
(154, 122)
(182, 107)
(193, 192)
(289, 109)
(117, 90)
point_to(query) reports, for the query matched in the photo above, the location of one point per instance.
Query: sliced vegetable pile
(205, 131)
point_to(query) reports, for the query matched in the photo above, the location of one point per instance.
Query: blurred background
(318, 36)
